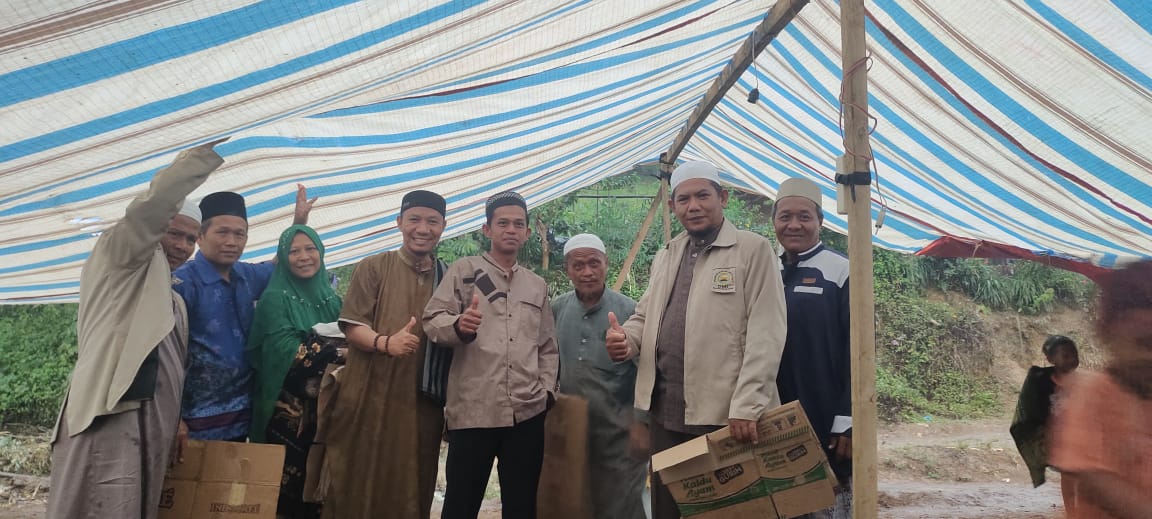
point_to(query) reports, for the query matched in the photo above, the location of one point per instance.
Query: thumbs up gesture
(469, 321)
(616, 340)
(404, 342)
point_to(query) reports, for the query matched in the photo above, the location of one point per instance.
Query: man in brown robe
(115, 433)
(382, 436)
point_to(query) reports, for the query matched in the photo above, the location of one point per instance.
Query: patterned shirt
(217, 388)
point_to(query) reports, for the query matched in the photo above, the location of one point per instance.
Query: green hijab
(285, 314)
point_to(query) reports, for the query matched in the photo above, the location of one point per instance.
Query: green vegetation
(933, 359)
(38, 348)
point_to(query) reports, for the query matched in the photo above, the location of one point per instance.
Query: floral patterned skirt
(293, 421)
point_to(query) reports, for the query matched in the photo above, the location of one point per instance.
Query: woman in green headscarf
(287, 358)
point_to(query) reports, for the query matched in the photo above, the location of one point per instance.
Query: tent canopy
(1024, 123)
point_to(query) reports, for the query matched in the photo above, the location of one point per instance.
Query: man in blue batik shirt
(816, 366)
(220, 293)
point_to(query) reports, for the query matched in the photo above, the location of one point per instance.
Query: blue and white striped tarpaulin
(1023, 122)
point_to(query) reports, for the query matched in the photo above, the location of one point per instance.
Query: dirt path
(937, 500)
(936, 470)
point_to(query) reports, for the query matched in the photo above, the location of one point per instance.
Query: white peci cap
(584, 241)
(191, 210)
(694, 169)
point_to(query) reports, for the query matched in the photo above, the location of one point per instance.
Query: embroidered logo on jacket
(724, 280)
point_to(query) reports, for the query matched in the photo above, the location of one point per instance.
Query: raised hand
(303, 205)
(469, 321)
(207, 147)
(616, 340)
(212, 144)
(404, 342)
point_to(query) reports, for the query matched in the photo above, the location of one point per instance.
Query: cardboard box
(224, 480)
(784, 475)
(564, 490)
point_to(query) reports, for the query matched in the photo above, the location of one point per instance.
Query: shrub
(932, 359)
(38, 345)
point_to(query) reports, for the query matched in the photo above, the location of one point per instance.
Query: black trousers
(519, 448)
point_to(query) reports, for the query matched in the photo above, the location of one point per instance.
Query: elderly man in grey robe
(119, 422)
(582, 315)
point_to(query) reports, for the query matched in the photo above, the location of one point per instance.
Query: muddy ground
(937, 470)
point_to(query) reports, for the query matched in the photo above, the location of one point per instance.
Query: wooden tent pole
(664, 212)
(854, 104)
(626, 268)
(781, 14)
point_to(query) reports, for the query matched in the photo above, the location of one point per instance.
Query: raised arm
(132, 241)
(303, 206)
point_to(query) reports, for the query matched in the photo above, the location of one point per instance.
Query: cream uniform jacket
(734, 333)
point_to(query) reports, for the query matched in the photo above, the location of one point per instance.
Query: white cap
(584, 241)
(190, 209)
(694, 169)
(799, 186)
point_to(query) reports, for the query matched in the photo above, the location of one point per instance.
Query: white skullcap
(694, 169)
(801, 187)
(190, 209)
(584, 241)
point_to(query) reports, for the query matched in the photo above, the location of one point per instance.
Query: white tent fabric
(1019, 122)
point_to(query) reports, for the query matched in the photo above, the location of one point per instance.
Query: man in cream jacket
(709, 330)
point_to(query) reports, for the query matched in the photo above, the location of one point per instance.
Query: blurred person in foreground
(1103, 433)
(118, 426)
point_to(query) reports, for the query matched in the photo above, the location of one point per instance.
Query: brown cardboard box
(224, 480)
(784, 475)
(564, 480)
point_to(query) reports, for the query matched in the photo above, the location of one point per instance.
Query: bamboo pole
(664, 211)
(862, 306)
(626, 268)
(542, 230)
(781, 14)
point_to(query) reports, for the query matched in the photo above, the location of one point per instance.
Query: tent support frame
(781, 14)
(858, 158)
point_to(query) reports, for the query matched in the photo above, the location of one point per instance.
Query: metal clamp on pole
(856, 178)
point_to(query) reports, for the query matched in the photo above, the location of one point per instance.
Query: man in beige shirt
(709, 329)
(496, 316)
(115, 433)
